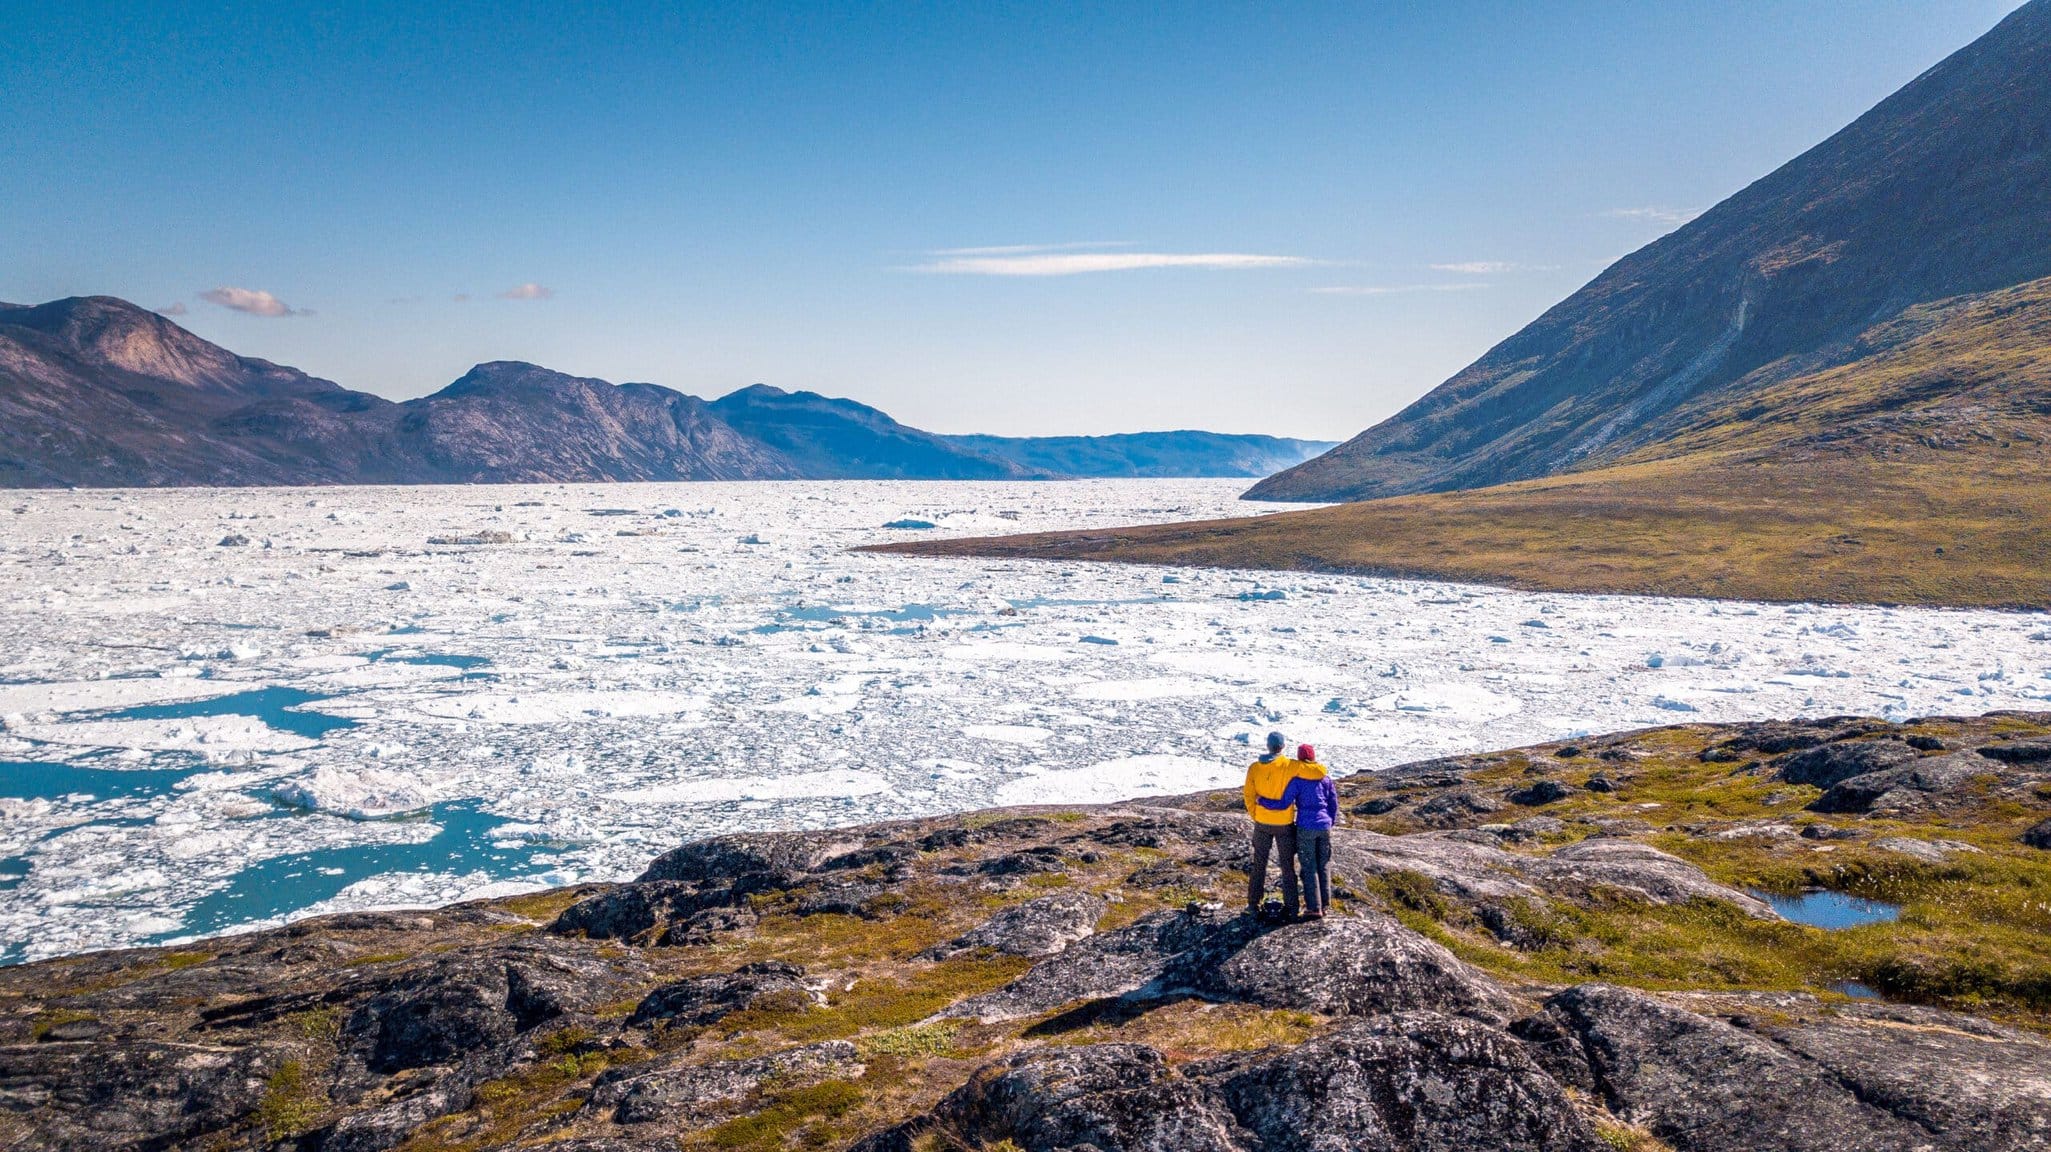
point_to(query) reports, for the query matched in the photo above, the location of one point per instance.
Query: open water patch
(468, 841)
(36, 780)
(278, 707)
(1823, 908)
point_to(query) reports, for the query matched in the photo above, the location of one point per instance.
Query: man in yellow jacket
(1273, 830)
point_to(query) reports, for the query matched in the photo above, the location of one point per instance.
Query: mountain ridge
(1942, 189)
(96, 391)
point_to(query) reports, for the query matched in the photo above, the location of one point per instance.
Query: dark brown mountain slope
(94, 390)
(508, 422)
(1943, 189)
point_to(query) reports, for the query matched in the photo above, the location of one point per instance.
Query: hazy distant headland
(97, 392)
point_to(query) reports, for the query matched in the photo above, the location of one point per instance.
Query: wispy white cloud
(1025, 249)
(1489, 267)
(1047, 263)
(1655, 215)
(254, 301)
(527, 291)
(1396, 289)
(174, 309)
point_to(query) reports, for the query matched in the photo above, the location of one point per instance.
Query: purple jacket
(1316, 801)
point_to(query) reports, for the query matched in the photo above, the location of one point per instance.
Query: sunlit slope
(1916, 474)
(1941, 190)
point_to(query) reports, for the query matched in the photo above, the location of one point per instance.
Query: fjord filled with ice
(225, 708)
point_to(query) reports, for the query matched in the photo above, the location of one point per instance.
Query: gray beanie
(1276, 741)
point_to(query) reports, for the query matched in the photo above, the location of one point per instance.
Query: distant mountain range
(1835, 384)
(95, 391)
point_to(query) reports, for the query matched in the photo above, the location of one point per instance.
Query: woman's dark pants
(1281, 839)
(1314, 856)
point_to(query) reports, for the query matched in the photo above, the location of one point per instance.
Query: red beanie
(1306, 752)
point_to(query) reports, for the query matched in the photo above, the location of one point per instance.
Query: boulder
(467, 1003)
(1118, 963)
(1039, 927)
(2038, 835)
(1352, 966)
(1908, 786)
(723, 859)
(1411, 1082)
(693, 1095)
(706, 999)
(1706, 1085)
(1104, 1096)
(2019, 752)
(1979, 1085)
(1450, 808)
(138, 1094)
(1541, 792)
(1828, 764)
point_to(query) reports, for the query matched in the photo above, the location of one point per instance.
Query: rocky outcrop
(1410, 1082)
(1911, 785)
(1782, 1074)
(701, 1094)
(1831, 764)
(1042, 927)
(467, 1003)
(708, 999)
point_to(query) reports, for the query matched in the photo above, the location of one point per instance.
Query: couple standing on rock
(1294, 804)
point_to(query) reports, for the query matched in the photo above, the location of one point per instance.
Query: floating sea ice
(213, 736)
(1109, 780)
(1006, 733)
(835, 783)
(546, 707)
(359, 793)
(1151, 688)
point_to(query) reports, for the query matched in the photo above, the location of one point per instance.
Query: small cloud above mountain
(1397, 289)
(1489, 267)
(254, 301)
(1066, 260)
(173, 309)
(1672, 217)
(527, 291)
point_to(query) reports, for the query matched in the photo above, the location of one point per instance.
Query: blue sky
(1032, 218)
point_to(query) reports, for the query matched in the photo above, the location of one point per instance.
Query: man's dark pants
(1281, 840)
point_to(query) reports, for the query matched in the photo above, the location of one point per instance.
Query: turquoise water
(277, 707)
(1822, 908)
(54, 781)
(286, 883)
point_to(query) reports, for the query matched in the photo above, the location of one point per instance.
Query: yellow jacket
(1267, 778)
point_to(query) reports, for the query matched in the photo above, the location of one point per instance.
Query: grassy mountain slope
(1941, 190)
(1918, 473)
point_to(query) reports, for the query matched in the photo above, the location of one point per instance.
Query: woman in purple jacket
(1316, 800)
